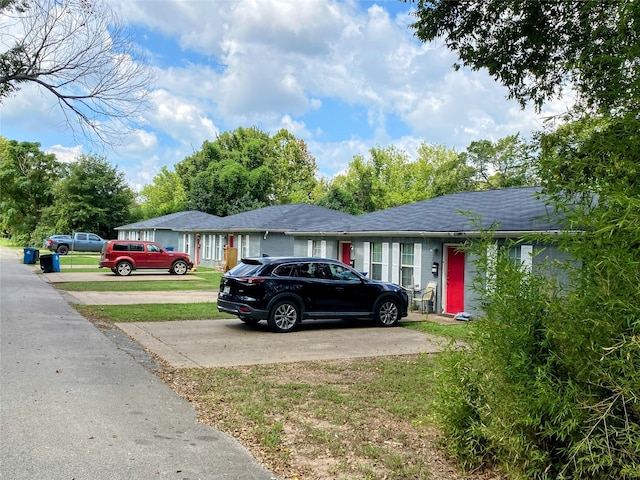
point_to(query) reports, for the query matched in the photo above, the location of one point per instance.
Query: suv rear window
(244, 269)
(128, 247)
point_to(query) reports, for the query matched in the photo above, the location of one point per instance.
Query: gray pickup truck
(78, 242)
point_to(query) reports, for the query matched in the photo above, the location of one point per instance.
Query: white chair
(429, 298)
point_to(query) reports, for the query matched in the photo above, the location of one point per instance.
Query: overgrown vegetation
(549, 387)
(341, 419)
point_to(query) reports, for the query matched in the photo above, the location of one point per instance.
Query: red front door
(455, 280)
(346, 253)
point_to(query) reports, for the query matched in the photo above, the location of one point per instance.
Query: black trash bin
(46, 263)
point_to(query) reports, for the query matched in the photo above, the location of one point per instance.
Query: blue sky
(343, 76)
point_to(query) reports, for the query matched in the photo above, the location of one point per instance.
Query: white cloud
(290, 64)
(65, 154)
(180, 118)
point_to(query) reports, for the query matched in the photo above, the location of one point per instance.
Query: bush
(548, 387)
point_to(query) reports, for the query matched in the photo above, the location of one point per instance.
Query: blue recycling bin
(31, 256)
(50, 263)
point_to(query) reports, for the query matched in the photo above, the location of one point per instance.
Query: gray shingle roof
(510, 209)
(174, 221)
(281, 218)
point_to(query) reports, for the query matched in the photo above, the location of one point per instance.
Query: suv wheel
(284, 316)
(179, 267)
(62, 250)
(388, 313)
(124, 269)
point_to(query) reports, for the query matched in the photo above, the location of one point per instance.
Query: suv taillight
(251, 280)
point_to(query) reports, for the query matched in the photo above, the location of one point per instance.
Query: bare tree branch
(80, 52)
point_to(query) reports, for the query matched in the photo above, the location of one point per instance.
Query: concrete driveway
(230, 342)
(225, 343)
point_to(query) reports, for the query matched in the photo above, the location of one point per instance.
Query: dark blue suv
(286, 290)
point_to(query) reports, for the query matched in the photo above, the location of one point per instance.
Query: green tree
(294, 169)
(535, 48)
(441, 171)
(549, 388)
(27, 176)
(94, 197)
(379, 181)
(166, 195)
(247, 164)
(218, 189)
(340, 199)
(198, 162)
(506, 163)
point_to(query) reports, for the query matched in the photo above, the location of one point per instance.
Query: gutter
(429, 234)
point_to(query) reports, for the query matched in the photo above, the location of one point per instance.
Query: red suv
(125, 256)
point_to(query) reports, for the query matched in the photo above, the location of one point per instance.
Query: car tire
(62, 250)
(124, 269)
(387, 313)
(284, 316)
(179, 267)
(114, 271)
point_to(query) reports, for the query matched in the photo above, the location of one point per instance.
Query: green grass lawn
(152, 312)
(461, 332)
(209, 282)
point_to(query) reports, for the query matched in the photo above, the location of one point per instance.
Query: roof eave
(431, 234)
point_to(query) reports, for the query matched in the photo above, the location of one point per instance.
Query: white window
(526, 257)
(220, 248)
(186, 239)
(243, 245)
(406, 265)
(209, 240)
(375, 271)
(317, 248)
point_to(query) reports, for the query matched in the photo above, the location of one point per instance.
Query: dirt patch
(326, 431)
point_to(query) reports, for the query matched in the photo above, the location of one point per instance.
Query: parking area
(230, 342)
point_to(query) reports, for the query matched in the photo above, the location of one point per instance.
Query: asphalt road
(75, 405)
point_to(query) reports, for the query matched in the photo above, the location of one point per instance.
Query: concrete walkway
(229, 342)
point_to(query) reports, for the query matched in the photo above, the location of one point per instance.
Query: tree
(441, 171)
(389, 177)
(27, 176)
(548, 388)
(79, 52)
(536, 48)
(218, 189)
(505, 163)
(166, 195)
(247, 165)
(340, 199)
(94, 197)
(294, 168)
(377, 182)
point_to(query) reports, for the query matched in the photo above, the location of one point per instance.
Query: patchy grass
(462, 331)
(340, 419)
(202, 282)
(73, 259)
(151, 312)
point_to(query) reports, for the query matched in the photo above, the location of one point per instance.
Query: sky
(344, 76)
